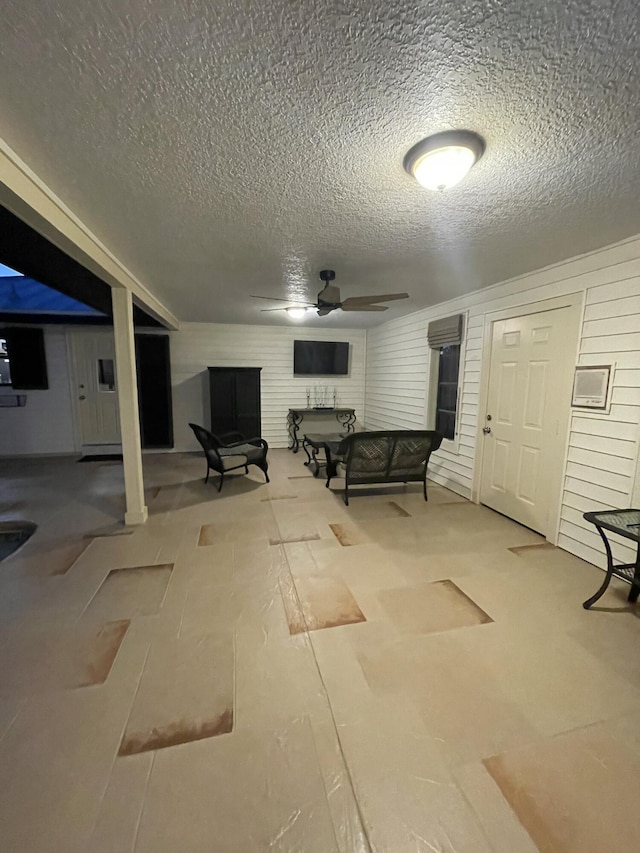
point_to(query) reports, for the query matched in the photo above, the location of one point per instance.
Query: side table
(328, 443)
(626, 523)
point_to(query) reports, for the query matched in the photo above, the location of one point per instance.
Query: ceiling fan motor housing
(329, 297)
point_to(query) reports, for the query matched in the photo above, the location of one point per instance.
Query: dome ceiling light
(441, 161)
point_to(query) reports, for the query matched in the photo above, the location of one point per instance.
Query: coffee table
(626, 523)
(326, 443)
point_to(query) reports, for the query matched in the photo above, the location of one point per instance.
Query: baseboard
(99, 449)
(56, 454)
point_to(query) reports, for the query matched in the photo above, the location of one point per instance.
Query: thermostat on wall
(591, 387)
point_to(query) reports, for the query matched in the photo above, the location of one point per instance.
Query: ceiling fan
(328, 299)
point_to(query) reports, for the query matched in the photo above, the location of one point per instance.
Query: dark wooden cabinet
(235, 400)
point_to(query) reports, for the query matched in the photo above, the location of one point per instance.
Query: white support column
(136, 512)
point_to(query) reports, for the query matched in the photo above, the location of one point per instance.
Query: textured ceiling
(221, 149)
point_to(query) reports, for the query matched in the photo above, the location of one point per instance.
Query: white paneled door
(532, 359)
(96, 393)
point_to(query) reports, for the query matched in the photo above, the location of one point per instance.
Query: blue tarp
(22, 295)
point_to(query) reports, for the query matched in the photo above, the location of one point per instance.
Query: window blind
(445, 332)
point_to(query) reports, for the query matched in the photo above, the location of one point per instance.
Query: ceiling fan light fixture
(441, 161)
(296, 313)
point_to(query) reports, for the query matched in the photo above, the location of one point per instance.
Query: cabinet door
(222, 391)
(248, 402)
(235, 400)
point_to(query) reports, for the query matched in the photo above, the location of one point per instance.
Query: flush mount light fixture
(441, 161)
(296, 313)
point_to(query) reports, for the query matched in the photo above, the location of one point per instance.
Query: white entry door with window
(96, 393)
(531, 371)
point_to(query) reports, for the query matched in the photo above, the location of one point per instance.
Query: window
(5, 367)
(26, 358)
(445, 338)
(106, 375)
(447, 393)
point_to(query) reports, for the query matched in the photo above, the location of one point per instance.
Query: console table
(345, 417)
(626, 523)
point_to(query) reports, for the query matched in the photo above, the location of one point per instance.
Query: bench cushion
(369, 459)
(229, 462)
(409, 456)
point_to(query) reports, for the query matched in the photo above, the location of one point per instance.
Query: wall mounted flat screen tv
(320, 358)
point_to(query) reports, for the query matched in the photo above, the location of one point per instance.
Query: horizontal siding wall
(602, 457)
(46, 423)
(200, 345)
(398, 361)
(603, 449)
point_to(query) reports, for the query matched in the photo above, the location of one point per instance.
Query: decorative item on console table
(321, 398)
(324, 398)
(345, 417)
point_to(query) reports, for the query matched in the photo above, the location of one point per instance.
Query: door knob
(486, 430)
(82, 397)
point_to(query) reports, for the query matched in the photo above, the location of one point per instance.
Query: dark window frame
(26, 351)
(4, 355)
(447, 390)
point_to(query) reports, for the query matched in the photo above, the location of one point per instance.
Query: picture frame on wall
(591, 387)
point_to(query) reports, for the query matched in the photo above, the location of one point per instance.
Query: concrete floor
(269, 670)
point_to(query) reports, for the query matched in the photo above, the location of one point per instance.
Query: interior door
(529, 391)
(95, 374)
(154, 390)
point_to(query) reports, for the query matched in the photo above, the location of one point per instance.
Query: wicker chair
(231, 451)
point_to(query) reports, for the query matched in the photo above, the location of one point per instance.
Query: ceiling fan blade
(292, 302)
(263, 310)
(322, 312)
(363, 306)
(383, 297)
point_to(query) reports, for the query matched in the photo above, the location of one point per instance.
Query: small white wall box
(591, 387)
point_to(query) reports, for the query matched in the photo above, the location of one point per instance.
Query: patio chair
(231, 451)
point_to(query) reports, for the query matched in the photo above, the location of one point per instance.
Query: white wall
(200, 345)
(603, 449)
(45, 424)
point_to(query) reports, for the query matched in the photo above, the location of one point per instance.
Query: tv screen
(320, 358)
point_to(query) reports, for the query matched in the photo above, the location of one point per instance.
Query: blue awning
(22, 295)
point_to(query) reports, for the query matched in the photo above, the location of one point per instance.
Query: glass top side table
(626, 523)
